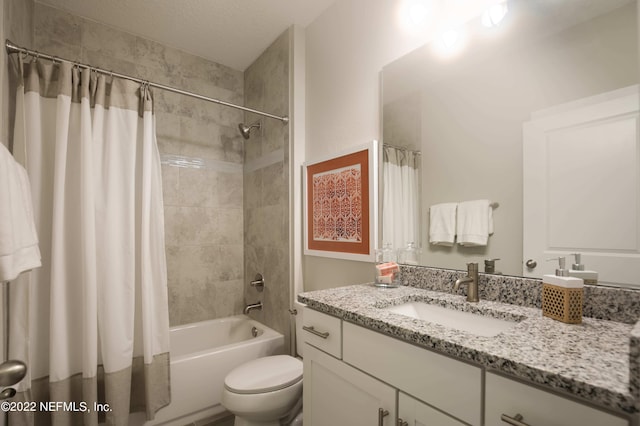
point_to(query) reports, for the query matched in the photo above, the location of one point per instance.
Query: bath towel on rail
(442, 224)
(474, 222)
(19, 250)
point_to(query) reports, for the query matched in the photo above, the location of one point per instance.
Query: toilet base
(244, 422)
(297, 421)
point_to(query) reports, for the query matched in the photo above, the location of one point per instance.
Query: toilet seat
(264, 375)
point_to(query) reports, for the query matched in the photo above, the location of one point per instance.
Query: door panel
(581, 186)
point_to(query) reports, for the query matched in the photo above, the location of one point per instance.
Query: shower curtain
(92, 323)
(401, 197)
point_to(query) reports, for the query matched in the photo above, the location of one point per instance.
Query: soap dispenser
(577, 270)
(562, 295)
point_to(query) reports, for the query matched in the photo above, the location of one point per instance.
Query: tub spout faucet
(252, 306)
(471, 281)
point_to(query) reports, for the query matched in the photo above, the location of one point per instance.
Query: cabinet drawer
(537, 407)
(322, 331)
(415, 413)
(452, 386)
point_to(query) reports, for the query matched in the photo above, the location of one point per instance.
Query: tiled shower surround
(266, 186)
(205, 204)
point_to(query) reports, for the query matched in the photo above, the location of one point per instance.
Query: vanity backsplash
(608, 303)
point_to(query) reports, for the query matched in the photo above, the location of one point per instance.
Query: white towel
(19, 250)
(475, 222)
(442, 224)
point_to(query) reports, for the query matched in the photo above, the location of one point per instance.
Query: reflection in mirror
(401, 197)
(467, 113)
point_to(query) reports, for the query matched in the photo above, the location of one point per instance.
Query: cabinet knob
(402, 422)
(382, 413)
(514, 421)
(531, 263)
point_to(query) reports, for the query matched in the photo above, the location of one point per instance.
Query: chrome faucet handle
(258, 282)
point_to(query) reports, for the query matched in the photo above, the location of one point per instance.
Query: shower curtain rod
(13, 48)
(401, 148)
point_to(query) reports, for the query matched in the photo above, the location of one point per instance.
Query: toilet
(266, 391)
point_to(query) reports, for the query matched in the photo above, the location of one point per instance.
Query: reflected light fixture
(450, 42)
(413, 13)
(450, 38)
(495, 14)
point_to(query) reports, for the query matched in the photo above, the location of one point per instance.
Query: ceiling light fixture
(413, 13)
(450, 38)
(495, 14)
(450, 42)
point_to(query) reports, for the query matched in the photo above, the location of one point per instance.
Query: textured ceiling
(230, 32)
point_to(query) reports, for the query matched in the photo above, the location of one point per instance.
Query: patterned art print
(338, 204)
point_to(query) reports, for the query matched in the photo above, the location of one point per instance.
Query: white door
(581, 168)
(337, 394)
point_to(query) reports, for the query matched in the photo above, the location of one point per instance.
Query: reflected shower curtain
(401, 197)
(92, 323)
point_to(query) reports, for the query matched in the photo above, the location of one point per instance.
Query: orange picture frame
(339, 205)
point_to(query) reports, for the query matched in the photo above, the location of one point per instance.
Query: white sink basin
(477, 324)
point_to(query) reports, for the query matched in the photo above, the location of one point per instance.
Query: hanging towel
(19, 250)
(475, 223)
(442, 224)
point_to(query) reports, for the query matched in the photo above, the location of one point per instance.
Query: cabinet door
(537, 407)
(412, 412)
(337, 394)
(450, 385)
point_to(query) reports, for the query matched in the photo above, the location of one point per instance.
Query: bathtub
(202, 354)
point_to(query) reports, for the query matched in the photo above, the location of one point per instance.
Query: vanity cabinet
(353, 375)
(412, 412)
(336, 394)
(506, 397)
(451, 386)
(356, 376)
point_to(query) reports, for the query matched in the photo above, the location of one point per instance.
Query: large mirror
(467, 116)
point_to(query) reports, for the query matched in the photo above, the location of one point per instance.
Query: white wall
(346, 48)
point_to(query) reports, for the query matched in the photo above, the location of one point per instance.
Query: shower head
(245, 130)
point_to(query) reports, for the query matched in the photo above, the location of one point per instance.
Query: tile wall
(16, 17)
(266, 185)
(203, 206)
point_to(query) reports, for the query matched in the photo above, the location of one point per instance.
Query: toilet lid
(264, 375)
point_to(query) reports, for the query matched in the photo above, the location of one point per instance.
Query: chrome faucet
(471, 280)
(250, 307)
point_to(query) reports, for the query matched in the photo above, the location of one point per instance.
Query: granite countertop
(590, 360)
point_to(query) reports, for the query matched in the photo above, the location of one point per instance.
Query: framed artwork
(341, 200)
